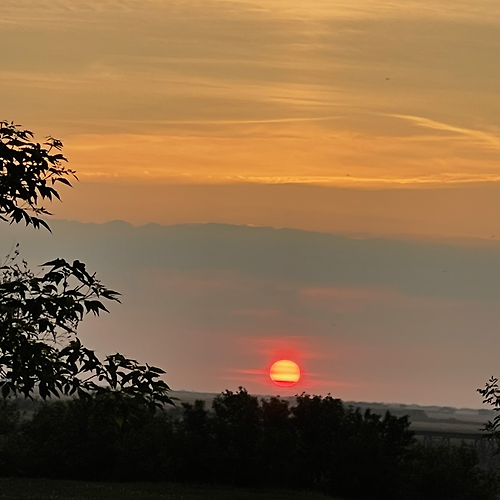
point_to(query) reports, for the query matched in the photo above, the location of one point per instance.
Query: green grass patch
(45, 489)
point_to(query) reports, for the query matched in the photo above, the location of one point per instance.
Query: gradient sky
(371, 119)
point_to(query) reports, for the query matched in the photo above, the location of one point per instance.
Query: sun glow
(284, 373)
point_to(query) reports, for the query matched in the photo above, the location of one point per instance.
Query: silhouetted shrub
(448, 473)
(194, 453)
(77, 440)
(9, 427)
(317, 444)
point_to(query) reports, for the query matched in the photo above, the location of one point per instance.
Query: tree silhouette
(40, 313)
(491, 396)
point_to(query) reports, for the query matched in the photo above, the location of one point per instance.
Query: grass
(46, 489)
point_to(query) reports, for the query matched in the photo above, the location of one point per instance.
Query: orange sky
(163, 93)
(368, 118)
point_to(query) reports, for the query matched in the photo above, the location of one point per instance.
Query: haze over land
(372, 121)
(215, 305)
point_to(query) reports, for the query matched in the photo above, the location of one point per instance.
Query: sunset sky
(374, 122)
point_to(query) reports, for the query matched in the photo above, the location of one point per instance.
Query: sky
(369, 121)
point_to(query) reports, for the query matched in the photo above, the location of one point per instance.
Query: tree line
(317, 444)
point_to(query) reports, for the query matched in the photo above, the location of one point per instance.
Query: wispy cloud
(275, 92)
(224, 122)
(83, 81)
(477, 136)
(346, 299)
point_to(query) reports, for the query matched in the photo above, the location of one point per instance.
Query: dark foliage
(40, 313)
(28, 173)
(491, 396)
(318, 444)
(448, 473)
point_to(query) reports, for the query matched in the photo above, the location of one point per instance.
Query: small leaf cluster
(28, 173)
(491, 396)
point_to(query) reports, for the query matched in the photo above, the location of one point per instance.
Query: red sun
(284, 373)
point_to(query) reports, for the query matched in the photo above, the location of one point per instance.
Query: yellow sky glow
(357, 96)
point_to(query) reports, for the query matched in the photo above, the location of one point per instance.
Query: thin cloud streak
(481, 136)
(228, 122)
(342, 9)
(312, 100)
(327, 181)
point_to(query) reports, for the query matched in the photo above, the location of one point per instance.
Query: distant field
(456, 427)
(43, 489)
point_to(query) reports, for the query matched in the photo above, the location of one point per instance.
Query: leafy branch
(40, 313)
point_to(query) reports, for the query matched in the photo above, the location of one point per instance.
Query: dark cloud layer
(419, 268)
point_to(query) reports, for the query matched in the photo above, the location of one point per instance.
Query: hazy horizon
(367, 319)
